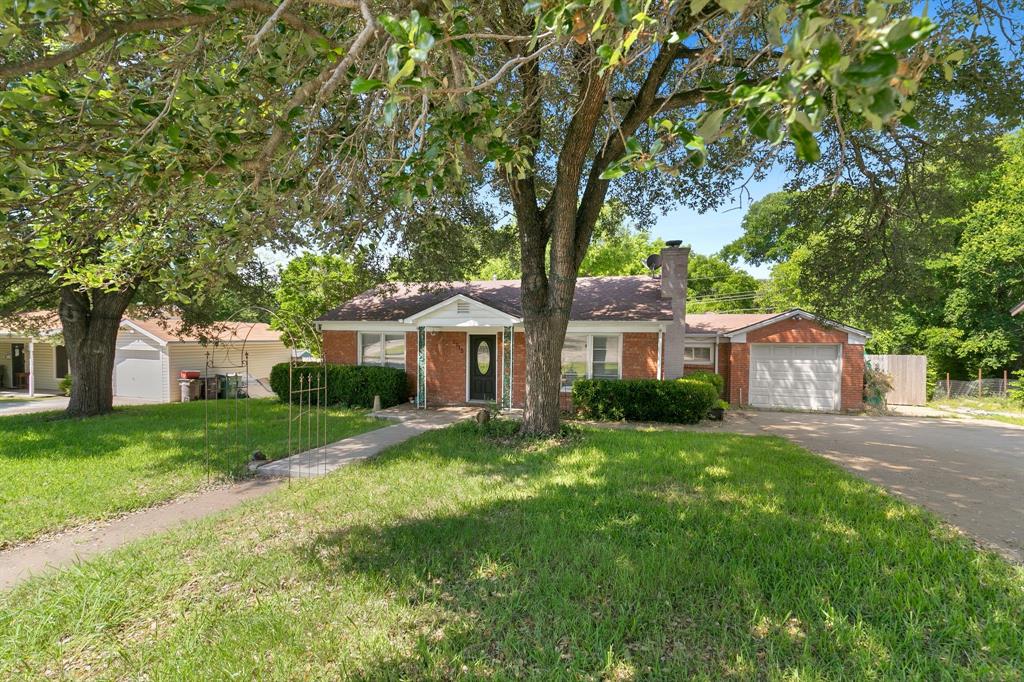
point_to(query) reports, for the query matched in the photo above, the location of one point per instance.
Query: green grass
(57, 472)
(646, 555)
(1009, 412)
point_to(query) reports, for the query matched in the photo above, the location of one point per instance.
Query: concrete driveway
(54, 404)
(972, 475)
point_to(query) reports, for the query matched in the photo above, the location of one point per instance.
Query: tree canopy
(364, 121)
(942, 284)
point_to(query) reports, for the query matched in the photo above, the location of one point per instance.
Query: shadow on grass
(676, 556)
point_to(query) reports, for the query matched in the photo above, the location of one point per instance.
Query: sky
(708, 232)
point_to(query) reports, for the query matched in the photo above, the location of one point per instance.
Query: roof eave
(798, 313)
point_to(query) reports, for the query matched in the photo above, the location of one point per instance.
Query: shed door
(137, 374)
(795, 376)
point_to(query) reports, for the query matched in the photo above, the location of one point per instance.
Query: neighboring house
(33, 360)
(464, 342)
(1019, 309)
(150, 354)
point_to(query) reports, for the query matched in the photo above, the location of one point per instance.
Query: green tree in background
(988, 269)
(941, 284)
(717, 286)
(310, 285)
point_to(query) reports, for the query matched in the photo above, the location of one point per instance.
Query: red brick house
(464, 342)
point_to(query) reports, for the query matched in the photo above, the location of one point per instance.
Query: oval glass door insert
(483, 357)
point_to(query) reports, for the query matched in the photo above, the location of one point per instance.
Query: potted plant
(717, 413)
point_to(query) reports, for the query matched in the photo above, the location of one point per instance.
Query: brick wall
(341, 348)
(796, 331)
(640, 355)
(738, 374)
(852, 392)
(446, 368)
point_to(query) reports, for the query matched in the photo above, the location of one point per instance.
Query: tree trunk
(545, 334)
(90, 321)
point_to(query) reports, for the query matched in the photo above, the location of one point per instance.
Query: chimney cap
(674, 243)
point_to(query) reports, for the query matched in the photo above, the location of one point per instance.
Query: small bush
(349, 385)
(707, 377)
(877, 385)
(1016, 392)
(65, 385)
(676, 401)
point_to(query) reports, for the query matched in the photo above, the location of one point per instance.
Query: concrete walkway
(322, 461)
(78, 544)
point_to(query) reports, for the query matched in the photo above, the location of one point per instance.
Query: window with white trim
(595, 356)
(697, 355)
(382, 348)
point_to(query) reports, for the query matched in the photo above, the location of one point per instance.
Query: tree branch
(122, 28)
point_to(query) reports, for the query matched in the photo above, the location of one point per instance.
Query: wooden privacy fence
(909, 377)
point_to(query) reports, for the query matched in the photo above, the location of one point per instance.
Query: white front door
(138, 374)
(795, 376)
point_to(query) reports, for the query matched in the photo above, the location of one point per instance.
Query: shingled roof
(635, 298)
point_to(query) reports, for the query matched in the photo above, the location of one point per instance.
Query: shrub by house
(349, 385)
(677, 401)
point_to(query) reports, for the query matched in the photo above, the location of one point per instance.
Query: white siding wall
(46, 366)
(45, 363)
(128, 339)
(263, 355)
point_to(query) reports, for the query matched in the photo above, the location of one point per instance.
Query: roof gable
(856, 335)
(461, 311)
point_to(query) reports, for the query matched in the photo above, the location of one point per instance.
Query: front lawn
(57, 472)
(621, 555)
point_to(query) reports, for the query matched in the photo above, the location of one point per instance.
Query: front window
(574, 360)
(605, 357)
(382, 349)
(698, 355)
(590, 356)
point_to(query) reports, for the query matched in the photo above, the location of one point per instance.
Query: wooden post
(1006, 383)
(948, 388)
(979, 383)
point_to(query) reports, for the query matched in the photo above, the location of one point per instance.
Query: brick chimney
(674, 262)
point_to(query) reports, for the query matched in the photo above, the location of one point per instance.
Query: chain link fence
(983, 388)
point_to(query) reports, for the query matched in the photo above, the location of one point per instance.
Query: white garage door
(797, 376)
(137, 374)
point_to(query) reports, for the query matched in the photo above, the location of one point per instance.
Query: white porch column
(31, 368)
(421, 367)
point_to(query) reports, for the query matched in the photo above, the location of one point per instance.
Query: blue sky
(708, 232)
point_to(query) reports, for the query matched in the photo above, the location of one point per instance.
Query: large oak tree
(367, 109)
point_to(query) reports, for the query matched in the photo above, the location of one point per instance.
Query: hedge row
(716, 380)
(349, 385)
(675, 401)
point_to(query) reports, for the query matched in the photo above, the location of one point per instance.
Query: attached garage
(801, 376)
(795, 361)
